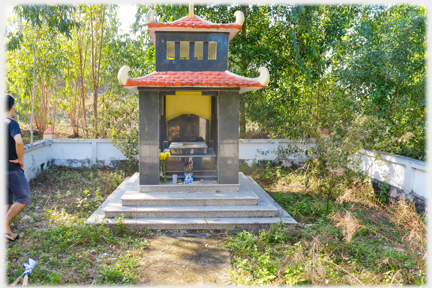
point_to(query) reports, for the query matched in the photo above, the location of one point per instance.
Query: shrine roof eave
(171, 80)
(241, 90)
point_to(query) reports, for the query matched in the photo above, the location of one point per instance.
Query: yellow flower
(163, 156)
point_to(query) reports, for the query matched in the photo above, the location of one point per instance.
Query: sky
(126, 15)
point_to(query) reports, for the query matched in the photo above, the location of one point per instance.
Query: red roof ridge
(189, 24)
(196, 20)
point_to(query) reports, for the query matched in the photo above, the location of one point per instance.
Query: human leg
(13, 211)
(7, 207)
(19, 187)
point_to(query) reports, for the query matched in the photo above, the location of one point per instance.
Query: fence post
(94, 151)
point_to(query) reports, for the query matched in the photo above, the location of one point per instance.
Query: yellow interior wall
(188, 102)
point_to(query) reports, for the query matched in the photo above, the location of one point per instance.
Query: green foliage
(319, 252)
(382, 64)
(66, 235)
(254, 254)
(54, 17)
(122, 271)
(341, 67)
(121, 226)
(124, 126)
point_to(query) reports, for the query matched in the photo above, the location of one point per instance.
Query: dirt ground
(185, 259)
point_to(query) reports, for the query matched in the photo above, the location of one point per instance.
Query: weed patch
(351, 238)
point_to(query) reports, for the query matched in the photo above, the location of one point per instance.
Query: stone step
(192, 218)
(198, 223)
(196, 186)
(135, 198)
(117, 210)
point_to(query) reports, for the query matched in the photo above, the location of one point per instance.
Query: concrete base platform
(251, 208)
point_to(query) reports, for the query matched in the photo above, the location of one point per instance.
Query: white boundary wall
(404, 173)
(251, 150)
(68, 152)
(401, 172)
(37, 157)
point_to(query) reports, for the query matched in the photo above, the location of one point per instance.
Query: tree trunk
(34, 86)
(81, 80)
(311, 99)
(95, 98)
(318, 112)
(95, 73)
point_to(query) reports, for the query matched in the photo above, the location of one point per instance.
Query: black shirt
(13, 129)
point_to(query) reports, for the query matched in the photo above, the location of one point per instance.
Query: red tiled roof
(48, 132)
(191, 79)
(187, 22)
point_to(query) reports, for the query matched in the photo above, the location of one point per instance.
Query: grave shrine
(190, 107)
(190, 104)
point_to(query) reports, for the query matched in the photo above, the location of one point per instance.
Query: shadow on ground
(185, 259)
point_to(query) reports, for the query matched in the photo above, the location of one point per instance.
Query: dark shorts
(18, 187)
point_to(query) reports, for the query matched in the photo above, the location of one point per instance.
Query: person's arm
(19, 144)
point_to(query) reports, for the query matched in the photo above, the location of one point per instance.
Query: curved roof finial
(264, 77)
(151, 16)
(191, 10)
(239, 17)
(122, 75)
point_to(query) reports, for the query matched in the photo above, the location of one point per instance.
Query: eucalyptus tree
(97, 59)
(91, 56)
(70, 96)
(55, 17)
(84, 59)
(97, 35)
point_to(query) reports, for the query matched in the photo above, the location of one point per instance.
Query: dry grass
(349, 224)
(405, 220)
(358, 241)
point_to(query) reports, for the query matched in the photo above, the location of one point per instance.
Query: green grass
(67, 250)
(318, 253)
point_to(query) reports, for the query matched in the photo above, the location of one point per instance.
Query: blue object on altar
(188, 178)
